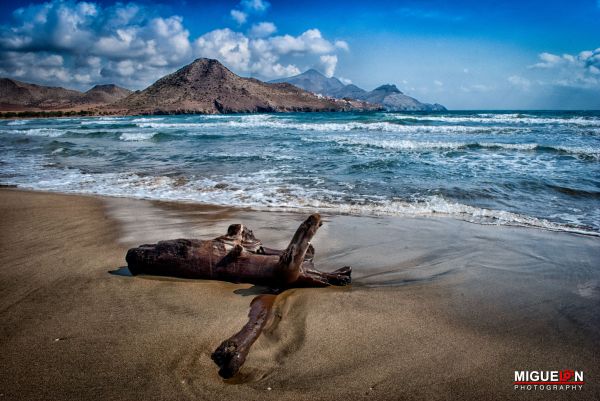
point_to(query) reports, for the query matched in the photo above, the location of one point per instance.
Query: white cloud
(263, 56)
(263, 29)
(438, 83)
(577, 71)
(345, 81)
(258, 6)
(248, 7)
(124, 44)
(310, 41)
(328, 63)
(239, 16)
(341, 44)
(549, 60)
(225, 45)
(63, 42)
(520, 82)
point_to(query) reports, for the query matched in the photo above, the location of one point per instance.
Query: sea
(522, 168)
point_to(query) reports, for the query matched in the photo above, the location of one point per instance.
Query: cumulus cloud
(239, 16)
(258, 6)
(578, 71)
(341, 44)
(248, 7)
(83, 43)
(310, 41)
(328, 63)
(263, 29)
(264, 56)
(121, 43)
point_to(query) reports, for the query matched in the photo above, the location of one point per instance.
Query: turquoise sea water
(521, 168)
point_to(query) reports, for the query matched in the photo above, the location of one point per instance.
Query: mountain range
(205, 86)
(18, 96)
(388, 96)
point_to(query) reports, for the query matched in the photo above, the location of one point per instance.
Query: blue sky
(463, 54)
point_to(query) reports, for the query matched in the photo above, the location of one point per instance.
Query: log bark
(240, 257)
(232, 353)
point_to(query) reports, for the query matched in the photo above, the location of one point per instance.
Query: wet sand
(439, 309)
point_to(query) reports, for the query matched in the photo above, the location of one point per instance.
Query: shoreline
(439, 309)
(41, 114)
(534, 224)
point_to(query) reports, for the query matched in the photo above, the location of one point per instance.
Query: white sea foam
(18, 122)
(416, 145)
(147, 119)
(103, 121)
(137, 136)
(326, 127)
(262, 189)
(504, 119)
(511, 146)
(49, 132)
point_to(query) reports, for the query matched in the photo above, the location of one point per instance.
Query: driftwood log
(240, 257)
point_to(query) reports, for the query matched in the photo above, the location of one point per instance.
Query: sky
(463, 54)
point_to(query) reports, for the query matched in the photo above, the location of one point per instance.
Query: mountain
(315, 82)
(387, 96)
(350, 91)
(105, 94)
(206, 86)
(390, 97)
(16, 95)
(379, 94)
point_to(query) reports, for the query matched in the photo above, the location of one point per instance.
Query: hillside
(206, 86)
(388, 96)
(17, 96)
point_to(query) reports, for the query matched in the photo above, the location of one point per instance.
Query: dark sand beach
(439, 308)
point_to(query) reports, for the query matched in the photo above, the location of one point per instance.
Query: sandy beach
(439, 308)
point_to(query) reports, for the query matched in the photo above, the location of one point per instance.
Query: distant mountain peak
(104, 86)
(388, 95)
(315, 82)
(389, 88)
(204, 67)
(312, 71)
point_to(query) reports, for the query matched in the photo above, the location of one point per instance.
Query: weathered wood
(232, 353)
(240, 257)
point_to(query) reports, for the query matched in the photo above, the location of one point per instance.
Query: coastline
(439, 308)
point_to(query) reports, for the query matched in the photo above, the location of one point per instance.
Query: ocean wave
(102, 120)
(286, 125)
(412, 145)
(47, 132)
(268, 189)
(147, 119)
(504, 119)
(18, 122)
(137, 136)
